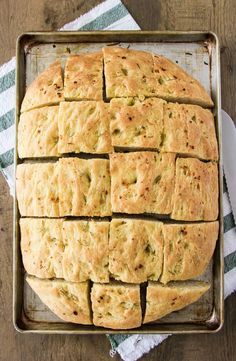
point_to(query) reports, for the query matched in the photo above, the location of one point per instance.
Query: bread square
(137, 124)
(84, 127)
(46, 89)
(128, 73)
(116, 306)
(84, 77)
(84, 187)
(69, 301)
(162, 300)
(174, 84)
(190, 130)
(38, 133)
(135, 250)
(188, 249)
(42, 246)
(86, 251)
(196, 190)
(37, 189)
(142, 182)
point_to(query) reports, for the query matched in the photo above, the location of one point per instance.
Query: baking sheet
(197, 53)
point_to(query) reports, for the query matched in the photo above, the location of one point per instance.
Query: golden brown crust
(142, 182)
(84, 187)
(38, 133)
(37, 189)
(135, 250)
(174, 84)
(84, 127)
(69, 301)
(42, 246)
(128, 73)
(162, 300)
(190, 130)
(116, 306)
(86, 251)
(46, 89)
(136, 124)
(188, 249)
(83, 77)
(196, 190)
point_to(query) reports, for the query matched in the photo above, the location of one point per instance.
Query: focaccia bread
(84, 127)
(188, 249)
(84, 187)
(162, 300)
(38, 133)
(84, 77)
(189, 130)
(69, 301)
(196, 190)
(37, 189)
(135, 250)
(116, 306)
(136, 124)
(142, 182)
(128, 73)
(46, 89)
(86, 251)
(42, 246)
(174, 84)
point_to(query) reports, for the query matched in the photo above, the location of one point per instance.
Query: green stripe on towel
(228, 222)
(7, 120)
(106, 19)
(230, 261)
(7, 158)
(7, 80)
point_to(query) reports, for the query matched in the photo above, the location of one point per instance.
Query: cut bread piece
(128, 73)
(84, 77)
(196, 190)
(161, 300)
(38, 133)
(142, 182)
(46, 89)
(69, 301)
(84, 187)
(174, 84)
(37, 189)
(84, 127)
(86, 251)
(189, 130)
(188, 249)
(42, 246)
(116, 306)
(135, 250)
(136, 124)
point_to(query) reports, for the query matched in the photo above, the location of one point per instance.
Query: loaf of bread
(196, 191)
(116, 306)
(38, 133)
(84, 77)
(107, 223)
(142, 182)
(84, 187)
(46, 89)
(69, 301)
(164, 299)
(135, 250)
(84, 127)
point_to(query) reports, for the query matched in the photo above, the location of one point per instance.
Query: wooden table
(22, 15)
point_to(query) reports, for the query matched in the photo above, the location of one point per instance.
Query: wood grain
(22, 15)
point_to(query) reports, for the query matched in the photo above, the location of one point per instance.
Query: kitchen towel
(109, 15)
